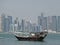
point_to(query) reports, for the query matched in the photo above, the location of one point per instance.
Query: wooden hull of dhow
(40, 38)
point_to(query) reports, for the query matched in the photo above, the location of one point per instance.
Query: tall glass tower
(39, 22)
(3, 19)
(6, 22)
(54, 23)
(45, 23)
(22, 25)
(58, 24)
(0, 24)
(9, 22)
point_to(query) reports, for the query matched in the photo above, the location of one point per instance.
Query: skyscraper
(49, 23)
(58, 24)
(28, 26)
(19, 27)
(6, 22)
(9, 22)
(33, 27)
(42, 22)
(45, 23)
(0, 24)
(37, 28)
(3, 19)
(16, 24)
(22, 25)
(54, 23)
(39, 22)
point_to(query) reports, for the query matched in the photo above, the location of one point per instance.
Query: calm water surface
(9, 39)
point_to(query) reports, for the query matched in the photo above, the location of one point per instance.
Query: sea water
(9, 39)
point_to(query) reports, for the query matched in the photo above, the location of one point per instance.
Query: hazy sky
(29, 9)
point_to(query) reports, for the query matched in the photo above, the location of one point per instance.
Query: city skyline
(50, 23)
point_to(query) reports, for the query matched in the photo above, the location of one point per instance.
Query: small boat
(32, 36)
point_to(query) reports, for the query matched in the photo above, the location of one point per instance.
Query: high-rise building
(6, 25)
(33, 27)
(3, 19)
(54, 23)
(6, 22)
(16, 25)
(9, 22)
(37, 28)
(22, 25)
(49, 23)
(16, 21)
(40, 21)
(19, 26)
(0, 24)
(28, 26)
(58, 23)
(45, 23)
